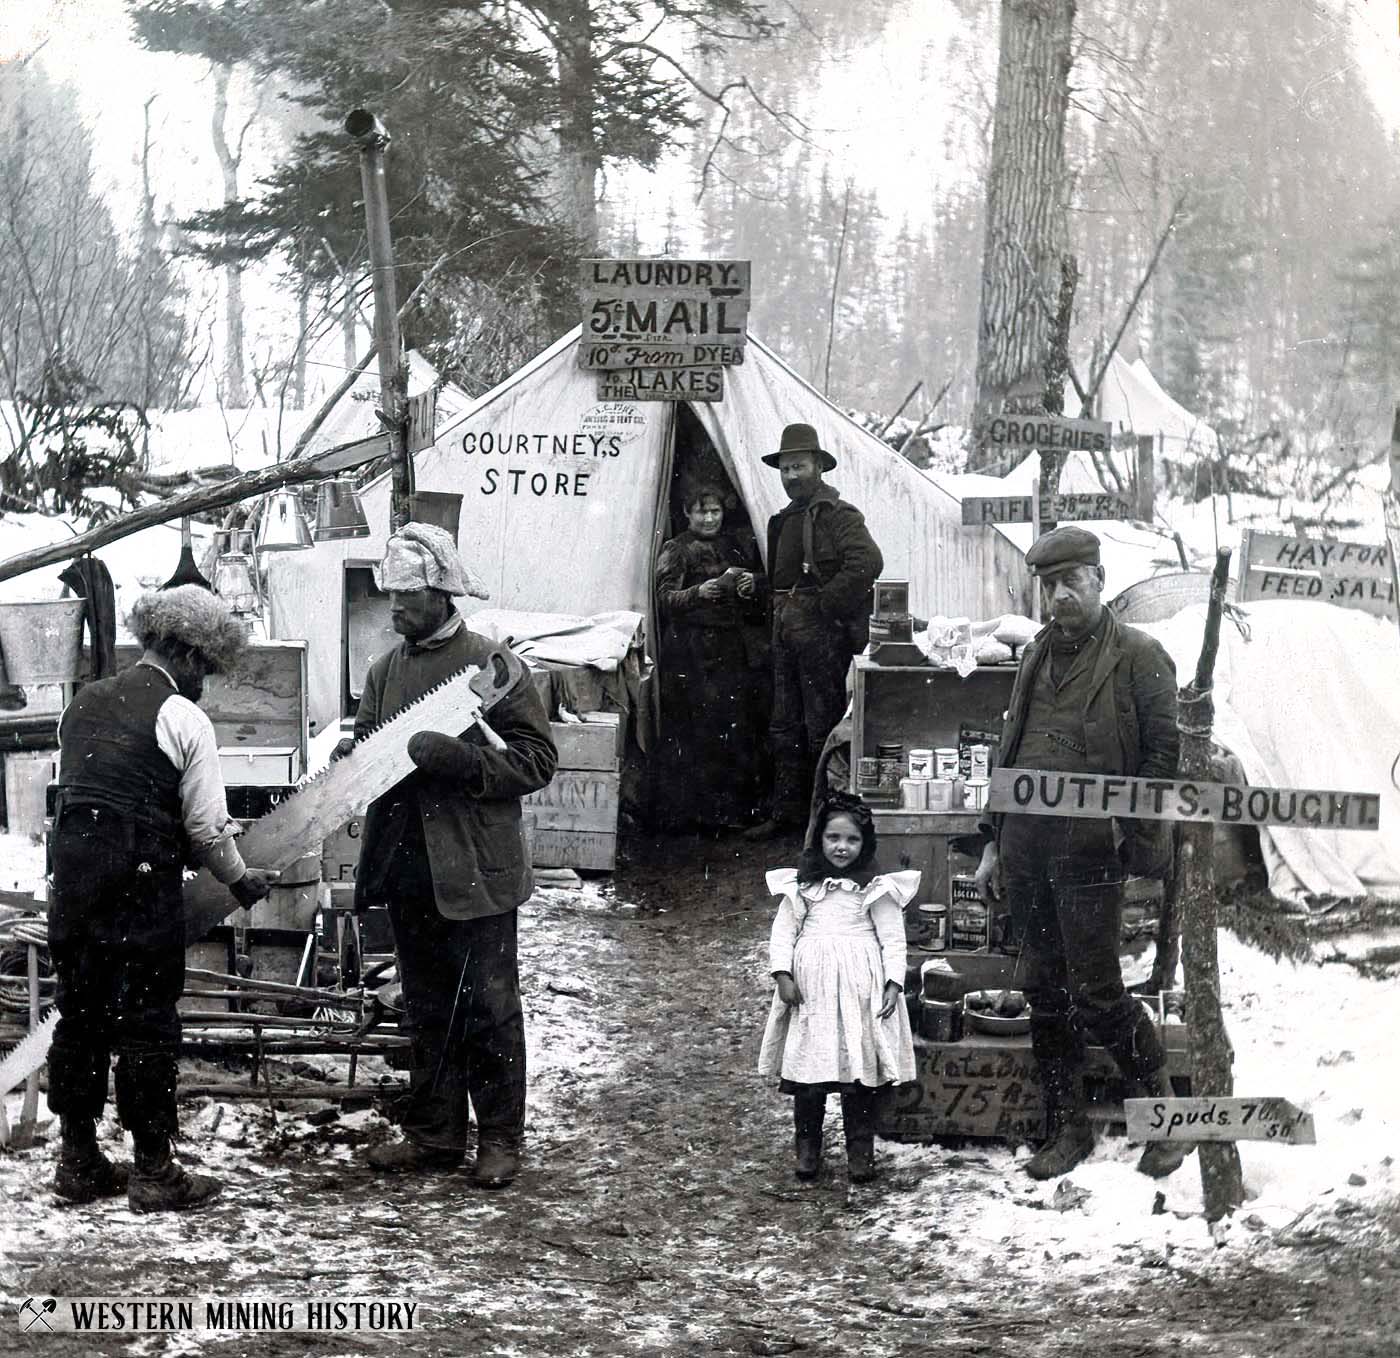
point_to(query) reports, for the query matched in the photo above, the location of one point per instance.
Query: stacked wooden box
(575, 817)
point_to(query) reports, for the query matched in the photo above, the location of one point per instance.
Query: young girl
(838, 1020)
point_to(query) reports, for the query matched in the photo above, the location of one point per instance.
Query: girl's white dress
(841, 942)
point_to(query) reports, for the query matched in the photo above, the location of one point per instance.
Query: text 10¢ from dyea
(1032, 792)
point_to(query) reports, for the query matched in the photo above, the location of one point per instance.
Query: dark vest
(1054, 737)
(109, 753)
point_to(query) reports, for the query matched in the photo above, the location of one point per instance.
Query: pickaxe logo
(37, 1312)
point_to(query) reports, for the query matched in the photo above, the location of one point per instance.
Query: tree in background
(1026, 194)
(92, 331)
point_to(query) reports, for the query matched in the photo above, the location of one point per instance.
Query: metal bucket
(42, 643)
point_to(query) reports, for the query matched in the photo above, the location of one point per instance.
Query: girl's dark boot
(858, 1115)
(808, 1112)
(84, 1174)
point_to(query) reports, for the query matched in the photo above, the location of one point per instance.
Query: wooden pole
(1146, 477)
(225, 493)
(373, 139)
(1211, 1054)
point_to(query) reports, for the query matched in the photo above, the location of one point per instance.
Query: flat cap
(1061, 548)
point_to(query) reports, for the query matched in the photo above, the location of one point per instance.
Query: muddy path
(658, 1215)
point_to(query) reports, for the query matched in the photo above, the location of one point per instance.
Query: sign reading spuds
(662, 329)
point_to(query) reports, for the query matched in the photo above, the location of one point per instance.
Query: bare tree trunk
(347, 320)
(578, 147)
(303, 326)
(835, 291)
(1025, 205)
(235, 376)
(1057, 367)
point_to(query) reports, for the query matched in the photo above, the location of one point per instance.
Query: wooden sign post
(663, 329)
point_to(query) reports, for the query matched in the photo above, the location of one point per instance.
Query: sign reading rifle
(663, 329)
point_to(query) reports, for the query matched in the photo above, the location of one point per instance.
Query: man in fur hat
(822, 563)
(140, 795)
(444, 850)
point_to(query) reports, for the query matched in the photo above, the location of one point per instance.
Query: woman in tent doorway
(715, 687)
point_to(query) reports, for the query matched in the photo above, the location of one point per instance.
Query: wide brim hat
(801, 438)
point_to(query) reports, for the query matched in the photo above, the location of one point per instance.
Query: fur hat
(189, 615)
(424, 556)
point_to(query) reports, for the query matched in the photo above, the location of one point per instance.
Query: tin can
(940, 794)
(945, 762)
(868, 774)
(921, 763)
(933, 926)
(913, 794)
(975, 793)
(979, 761)
(940, 1021)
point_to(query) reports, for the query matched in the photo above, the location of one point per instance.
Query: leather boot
(858, 1117)
(84, 1174)
(497, 1163)
(409, 1157)
(808, 1113)
(1071, 1138)
(1160, 1158)
(159, 1184)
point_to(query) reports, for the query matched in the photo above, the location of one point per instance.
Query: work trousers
(810, 660)
(117, 943)
(461, 987)
(1064, 885)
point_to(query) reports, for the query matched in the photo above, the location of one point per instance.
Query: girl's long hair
(813, 867)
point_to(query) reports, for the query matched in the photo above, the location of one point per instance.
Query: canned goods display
(891, 757)
(933, 926)
(975, 793)
(945, 762)
(921, 764)
(940, 794)
(913, 794)
(979, 761)
(868, 774)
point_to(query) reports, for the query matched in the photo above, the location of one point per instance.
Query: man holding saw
(443, 849)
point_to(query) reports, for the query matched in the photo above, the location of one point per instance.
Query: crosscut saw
(296, 827)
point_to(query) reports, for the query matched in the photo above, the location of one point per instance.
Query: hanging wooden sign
(615, 354)
(664, 301)
(1052, 433)
(1061, 508)
(662, 384)
(1223, 1119)
(1032, 792)
(1349, 574)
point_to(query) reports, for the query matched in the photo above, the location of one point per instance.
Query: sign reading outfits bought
(1223, 1119)
(1031, 792)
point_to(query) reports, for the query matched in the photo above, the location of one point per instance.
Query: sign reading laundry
(1031, 792)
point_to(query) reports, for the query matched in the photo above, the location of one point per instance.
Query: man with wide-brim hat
(822, 563)
(444, 850)
(1092, 696)
(140, 795)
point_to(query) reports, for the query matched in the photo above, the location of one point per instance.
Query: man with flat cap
(822, 563)
(444, 850)
(1092, 695)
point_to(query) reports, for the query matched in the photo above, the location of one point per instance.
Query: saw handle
(492, 738)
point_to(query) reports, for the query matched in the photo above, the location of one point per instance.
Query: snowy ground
(658, 1214)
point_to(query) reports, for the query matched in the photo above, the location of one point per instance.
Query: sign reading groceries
(663, 329)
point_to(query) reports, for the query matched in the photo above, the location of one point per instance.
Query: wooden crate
(594, 743)
(575, 820)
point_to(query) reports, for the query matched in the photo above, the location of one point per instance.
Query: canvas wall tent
(566, 502)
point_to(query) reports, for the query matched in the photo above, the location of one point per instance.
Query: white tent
(1133, 402)
(566, 502)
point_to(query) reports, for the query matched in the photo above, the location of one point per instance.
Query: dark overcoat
(471, 827)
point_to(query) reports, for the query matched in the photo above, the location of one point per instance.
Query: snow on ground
(1322, 1037)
